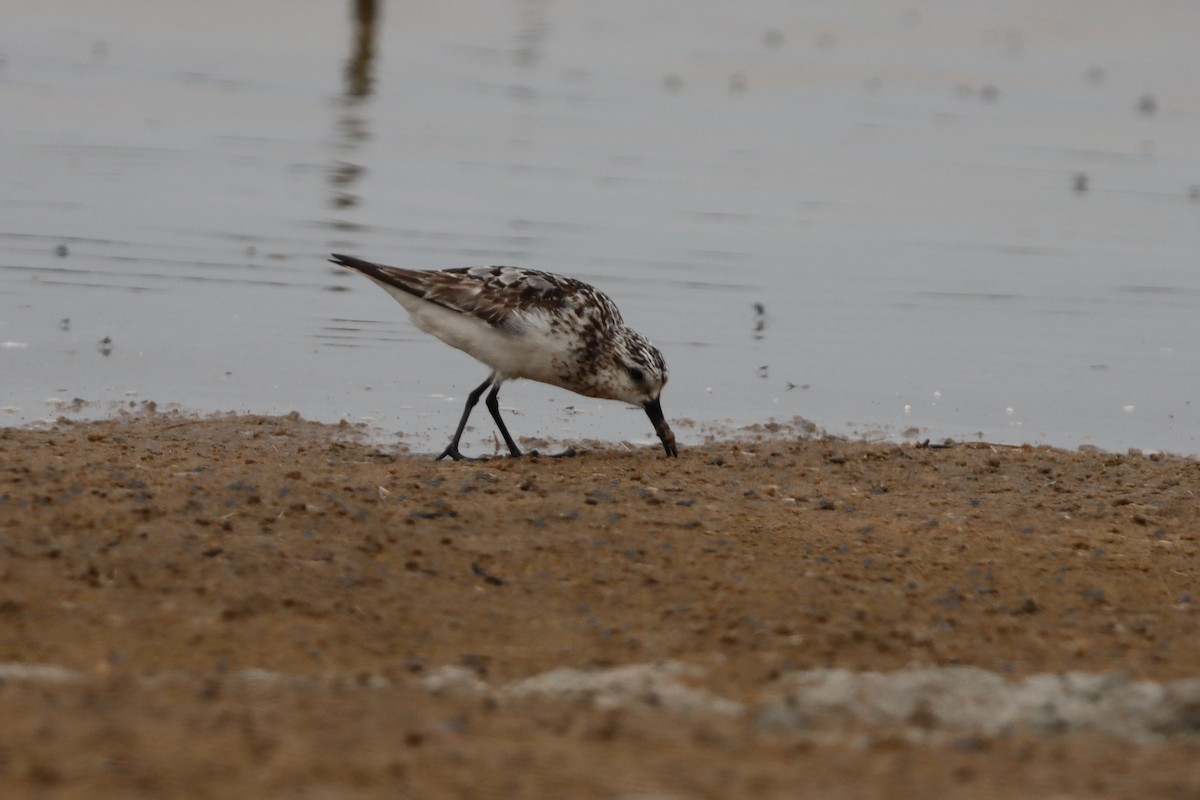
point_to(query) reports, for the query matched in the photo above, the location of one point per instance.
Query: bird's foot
(451, 451)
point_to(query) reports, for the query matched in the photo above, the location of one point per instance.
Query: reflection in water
(352, 127)
(535, 27)
(906, 241)
(343, 175)
(358, 66)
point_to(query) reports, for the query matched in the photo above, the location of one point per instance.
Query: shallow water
(957, 221)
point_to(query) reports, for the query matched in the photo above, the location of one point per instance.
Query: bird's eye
(636, 374)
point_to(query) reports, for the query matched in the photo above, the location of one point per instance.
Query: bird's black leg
(493, 405)
(473, 398)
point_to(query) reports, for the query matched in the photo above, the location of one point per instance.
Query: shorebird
(523, 323)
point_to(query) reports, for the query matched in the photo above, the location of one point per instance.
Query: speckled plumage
(530, 324)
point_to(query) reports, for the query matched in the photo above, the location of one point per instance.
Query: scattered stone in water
(61, 251)
(760, 320)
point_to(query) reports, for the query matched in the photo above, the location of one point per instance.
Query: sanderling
(523, 323)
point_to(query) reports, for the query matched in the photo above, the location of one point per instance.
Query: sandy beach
(264, 606)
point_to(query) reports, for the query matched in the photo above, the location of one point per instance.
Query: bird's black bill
(654, 412)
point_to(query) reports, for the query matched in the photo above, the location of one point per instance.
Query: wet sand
(260, 606)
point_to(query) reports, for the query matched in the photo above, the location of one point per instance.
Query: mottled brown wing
(501, 296)
(508, 296)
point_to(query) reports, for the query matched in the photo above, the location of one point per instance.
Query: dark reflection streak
(531, 38)
(533, 30)
(344, 174)
(358, 66)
